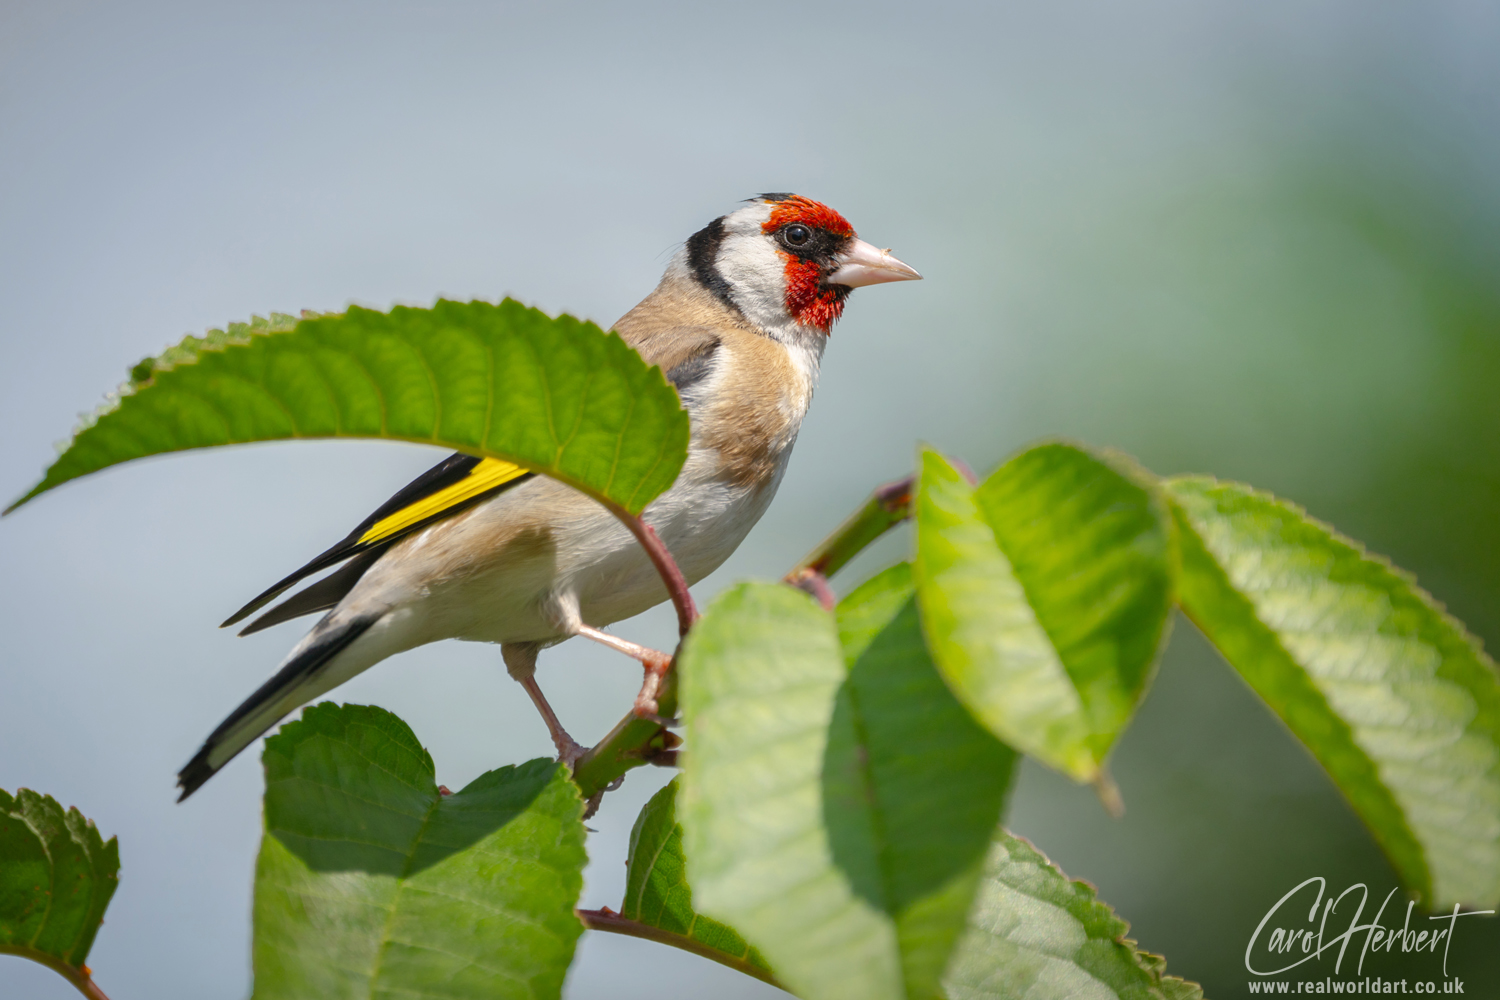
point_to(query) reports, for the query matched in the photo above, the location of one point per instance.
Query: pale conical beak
(864, 264)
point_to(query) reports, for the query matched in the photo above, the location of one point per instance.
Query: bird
(484, 550)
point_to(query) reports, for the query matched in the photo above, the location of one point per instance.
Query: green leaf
(56, 879)
(558, 396)
(657, 892)
(837, 801)
(1045, 595)
(1390, 693)
(371, 882)
(1034, 934)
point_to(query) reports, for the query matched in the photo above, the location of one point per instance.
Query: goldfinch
(483, 550)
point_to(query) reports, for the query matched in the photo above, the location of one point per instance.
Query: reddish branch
(665, 565)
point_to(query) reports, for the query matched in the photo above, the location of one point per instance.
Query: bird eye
(796, 235)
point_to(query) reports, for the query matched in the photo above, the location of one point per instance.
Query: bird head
(788, 263)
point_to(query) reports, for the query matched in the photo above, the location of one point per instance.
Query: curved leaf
(558, 396)
(1045, 595)
(56, 879)
(656, 887)
(983, 634)
(1391, 694)
(371, 882)
(837, 803)
(1034, 934)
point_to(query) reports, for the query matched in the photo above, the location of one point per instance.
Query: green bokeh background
(1255, 240)
(1328, 331)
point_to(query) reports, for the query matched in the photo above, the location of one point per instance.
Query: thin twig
(608, 920)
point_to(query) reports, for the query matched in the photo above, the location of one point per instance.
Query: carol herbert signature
(1280, 933)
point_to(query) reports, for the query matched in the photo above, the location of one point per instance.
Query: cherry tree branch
(632, 743)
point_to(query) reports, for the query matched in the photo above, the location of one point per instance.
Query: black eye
(796, 235)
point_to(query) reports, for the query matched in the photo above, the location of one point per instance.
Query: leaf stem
(78, 976)
(666, 566)
(608, 920)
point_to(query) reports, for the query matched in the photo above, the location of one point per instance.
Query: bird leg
(568, 750)
(520, 661)
(654, 661)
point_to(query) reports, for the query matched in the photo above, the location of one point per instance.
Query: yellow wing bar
(488, 474)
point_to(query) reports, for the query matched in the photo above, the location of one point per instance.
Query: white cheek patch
(756, 272)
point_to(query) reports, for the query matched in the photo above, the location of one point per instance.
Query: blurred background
(1260, 240)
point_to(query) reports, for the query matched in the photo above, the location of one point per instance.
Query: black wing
(454, 484)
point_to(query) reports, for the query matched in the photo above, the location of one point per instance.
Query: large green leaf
(558, 396)
(657, 893)
(1035, 935)
(372, 883)
(56, 879)
(1391, 694)
(837, 801)
(1045, 595)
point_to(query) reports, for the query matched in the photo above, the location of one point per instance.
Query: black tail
(321, 596)
(269, 705)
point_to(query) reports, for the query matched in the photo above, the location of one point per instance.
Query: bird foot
(655, 662)
(646, 706)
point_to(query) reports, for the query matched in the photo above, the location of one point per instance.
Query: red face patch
(810, 302)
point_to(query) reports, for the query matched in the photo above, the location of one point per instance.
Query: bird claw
(646, 706)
